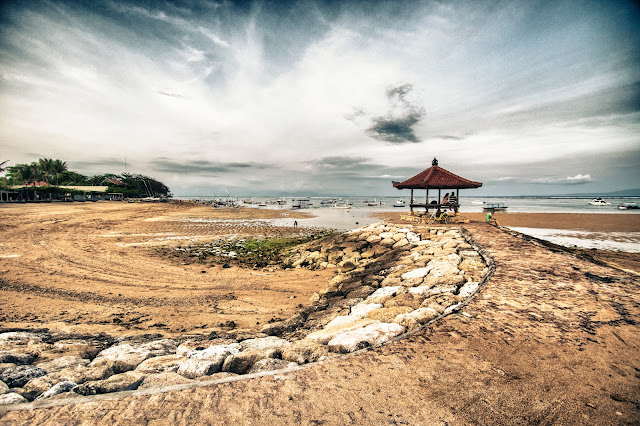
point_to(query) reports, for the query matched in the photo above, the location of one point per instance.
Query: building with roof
(436, 178)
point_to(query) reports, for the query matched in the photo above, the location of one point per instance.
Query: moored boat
(599, 202)
(628, 206)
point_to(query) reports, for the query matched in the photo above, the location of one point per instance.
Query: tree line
(56, 173)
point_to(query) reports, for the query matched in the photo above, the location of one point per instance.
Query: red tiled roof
(438, 178)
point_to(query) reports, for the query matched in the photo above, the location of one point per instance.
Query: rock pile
(388, 281)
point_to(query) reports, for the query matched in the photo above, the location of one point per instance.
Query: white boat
(599, 202)
(477, 202)
(399, 203)
(341, 206)
(628, 206)
(495, 207)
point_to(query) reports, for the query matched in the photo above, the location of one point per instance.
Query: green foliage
(56, 172)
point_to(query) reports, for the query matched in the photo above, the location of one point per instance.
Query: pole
(411, 202)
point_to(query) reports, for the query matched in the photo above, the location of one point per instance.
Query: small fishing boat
(341, 206)
(399, 203)
(302, 203)
(628, 206)
(494, 207)
(599, 202)
(477, 202)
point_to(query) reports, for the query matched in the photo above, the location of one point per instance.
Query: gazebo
(435, 177)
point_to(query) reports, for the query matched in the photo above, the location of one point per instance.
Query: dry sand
(91, 267)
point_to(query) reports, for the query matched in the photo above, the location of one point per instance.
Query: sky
(326, 97)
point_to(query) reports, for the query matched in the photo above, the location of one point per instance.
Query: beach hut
(436, 178)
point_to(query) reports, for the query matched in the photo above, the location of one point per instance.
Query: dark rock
(20, 375)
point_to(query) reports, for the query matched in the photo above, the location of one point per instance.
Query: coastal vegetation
(48, 175)
(248, 252)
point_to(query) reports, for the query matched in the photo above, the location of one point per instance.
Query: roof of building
(435, 177)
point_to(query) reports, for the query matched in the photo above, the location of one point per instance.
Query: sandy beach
(547, 321)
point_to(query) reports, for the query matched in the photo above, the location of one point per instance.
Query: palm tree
(2, 164)
(59, 167)
(46, 167)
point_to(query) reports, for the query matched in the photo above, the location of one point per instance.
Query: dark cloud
(397, 126)
(201, 167)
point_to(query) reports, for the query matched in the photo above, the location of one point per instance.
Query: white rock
(361, 310)
(422, 290)
(215, 352)
(417, 273)
(469, 288)
(384, 293)
(12, 398)
(161, 364)
(270, 342)
(371, 335)
(193, 368)
(328, 333)
(442, 289)
(126, 356)
(452, 308)
(58, 388)
(3, 388)
(419, 316)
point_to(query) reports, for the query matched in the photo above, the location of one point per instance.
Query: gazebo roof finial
(434, 162)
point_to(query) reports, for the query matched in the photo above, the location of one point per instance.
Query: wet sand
(591, 222)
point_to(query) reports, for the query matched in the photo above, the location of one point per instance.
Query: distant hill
(623, 193)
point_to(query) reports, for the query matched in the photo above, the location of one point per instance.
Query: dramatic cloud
(259, 96)
(398, 125)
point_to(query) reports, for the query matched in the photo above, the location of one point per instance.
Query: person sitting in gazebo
(445, 200)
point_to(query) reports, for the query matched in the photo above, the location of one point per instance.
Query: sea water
(362, 213)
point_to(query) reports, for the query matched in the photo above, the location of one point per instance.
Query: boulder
(388, 242)
(416, 273)
(116, 383)
(387, 315)
(82, 374)
(37, 386)
(374, 239)
(57, 389)
(243, 361)
(414, 319)
(18, 376)
(361, 310)
(264, 343)
(217, 376)
(125, 356)
(468, 289)
(19, 356)
(193, 367)
(402, 243)
(371, 335)
(411, 300)
(199, 345)
(62, 363)
(391, 282)
(20, 338)
(383, 294)
(3, 388)
(160, 380)
(12, 398)
(270, 364)
(339, 325)
(304, 351)
(75, 347)
(161, 364)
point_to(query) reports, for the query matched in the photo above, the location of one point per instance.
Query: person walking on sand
(295, 223)
(491, 220)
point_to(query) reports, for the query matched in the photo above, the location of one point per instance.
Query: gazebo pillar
(411, 202)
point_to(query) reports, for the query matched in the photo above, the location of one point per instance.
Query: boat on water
(480, 202)
(495, 207)
(628, 206)
(599, 202)
(399, 203)
(341, 206)
(302, 203)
